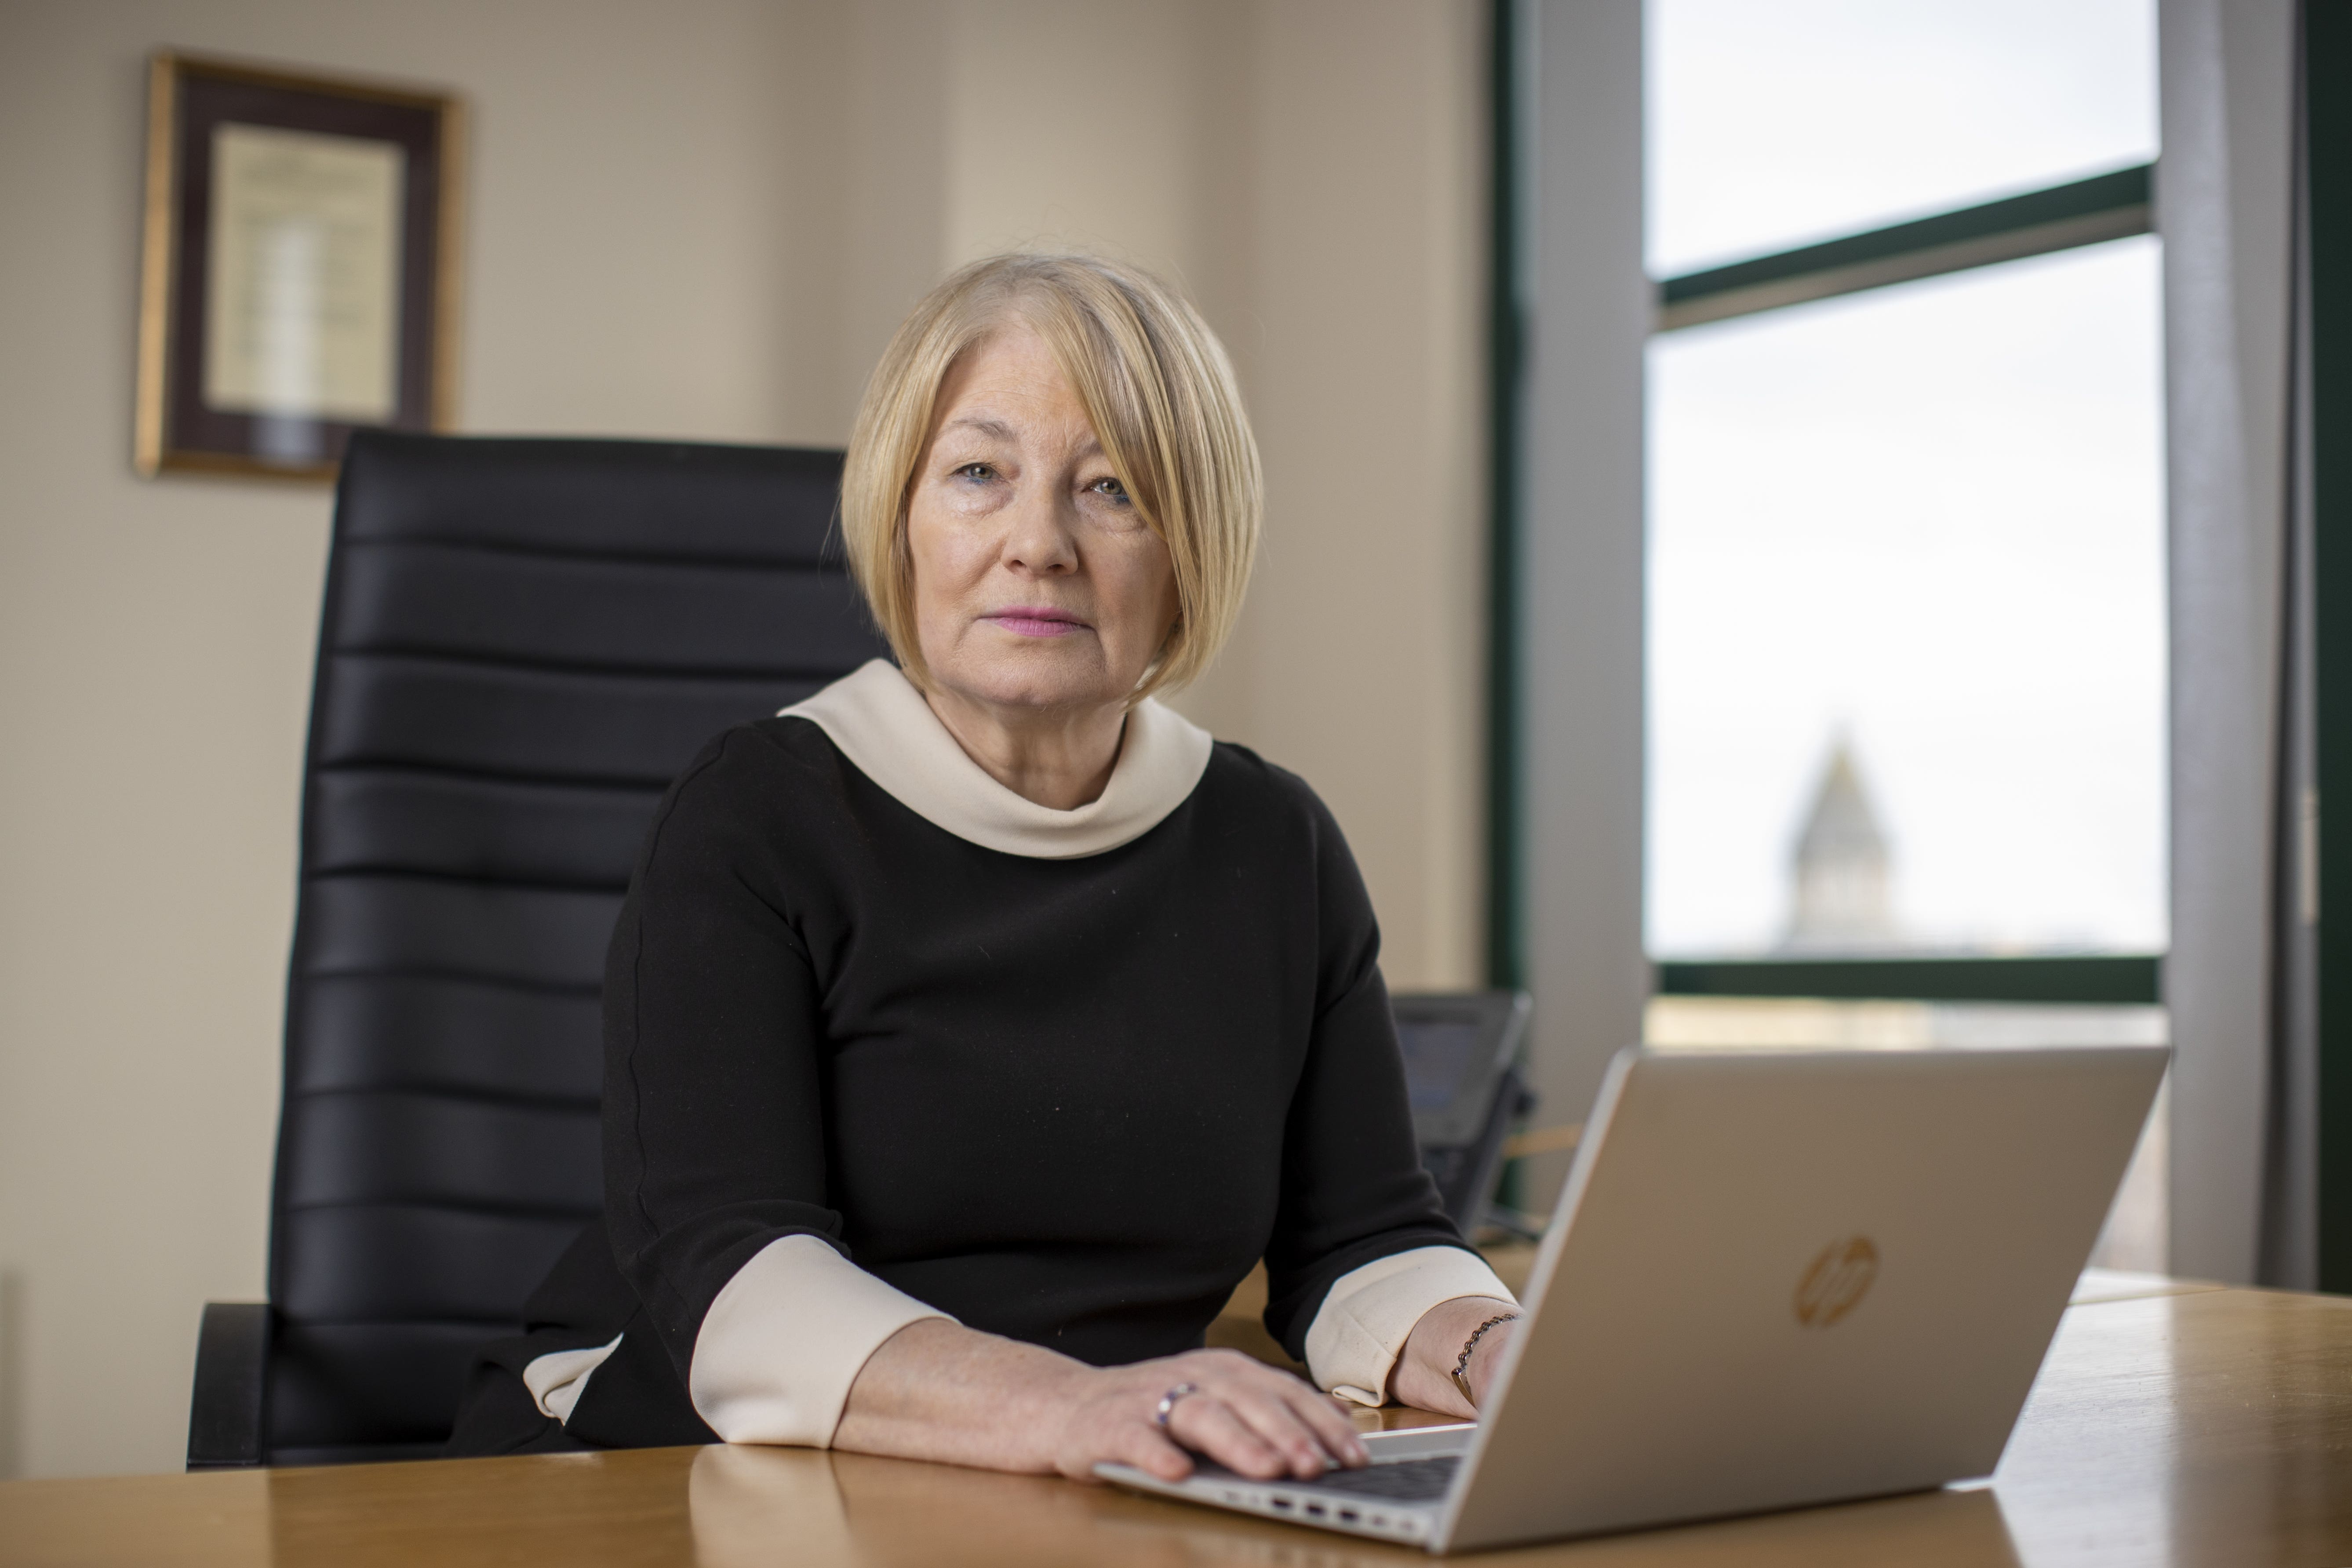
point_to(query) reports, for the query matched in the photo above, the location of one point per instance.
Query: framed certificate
(300, 275)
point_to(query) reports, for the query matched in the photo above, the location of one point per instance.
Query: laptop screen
(1436, 1056)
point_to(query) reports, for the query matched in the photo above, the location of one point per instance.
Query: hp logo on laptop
(1836, 1283)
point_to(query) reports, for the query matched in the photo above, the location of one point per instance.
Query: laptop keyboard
(1407, 1480)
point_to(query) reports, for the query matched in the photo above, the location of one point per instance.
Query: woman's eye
(1110, 487)
(975, 471)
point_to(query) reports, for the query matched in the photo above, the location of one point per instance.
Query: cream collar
(882, 725)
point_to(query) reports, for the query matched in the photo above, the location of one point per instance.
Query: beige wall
(698, 219)
(1358, 662)
(1313, 173)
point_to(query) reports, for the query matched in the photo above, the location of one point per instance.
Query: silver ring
(1168, 1400)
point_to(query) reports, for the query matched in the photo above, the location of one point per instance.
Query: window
(1907, 640)
(1772, 126)
(1906, 565)
(1907, 657)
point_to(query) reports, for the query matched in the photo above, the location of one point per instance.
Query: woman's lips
(1036, 621)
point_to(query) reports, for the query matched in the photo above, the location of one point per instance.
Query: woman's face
(1037, 586)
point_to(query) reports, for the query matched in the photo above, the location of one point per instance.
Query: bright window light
(1922, 525)
(1773, 124)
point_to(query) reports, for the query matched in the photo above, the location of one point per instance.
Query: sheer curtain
(2239, 979)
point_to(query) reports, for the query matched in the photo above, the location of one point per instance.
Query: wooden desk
(2171, 1426)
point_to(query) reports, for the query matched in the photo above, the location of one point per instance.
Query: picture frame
(300, 267)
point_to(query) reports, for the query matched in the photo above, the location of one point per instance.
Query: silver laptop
(1773, 1278)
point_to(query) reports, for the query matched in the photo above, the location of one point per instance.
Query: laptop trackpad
(1420, 1442)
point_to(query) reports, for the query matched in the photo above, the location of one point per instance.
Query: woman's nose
(1040, 534)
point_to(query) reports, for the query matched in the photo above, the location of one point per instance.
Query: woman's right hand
(936, 1390)
(1246, 1415)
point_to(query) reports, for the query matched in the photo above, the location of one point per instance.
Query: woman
(973, 1026)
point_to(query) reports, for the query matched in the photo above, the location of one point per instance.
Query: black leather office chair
(523, 642)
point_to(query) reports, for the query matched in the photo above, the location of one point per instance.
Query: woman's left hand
(1423, 1374)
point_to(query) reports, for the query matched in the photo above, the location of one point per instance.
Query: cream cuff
(786, 1339)
(558, 1379)
(1370, 1312)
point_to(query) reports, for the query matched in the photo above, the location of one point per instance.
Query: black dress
(1071, 1101)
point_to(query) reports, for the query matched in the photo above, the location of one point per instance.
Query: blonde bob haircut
(1156, 384)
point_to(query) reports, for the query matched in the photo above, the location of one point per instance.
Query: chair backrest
(523, 642)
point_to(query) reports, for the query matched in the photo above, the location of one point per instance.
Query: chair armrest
(228, 1417)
